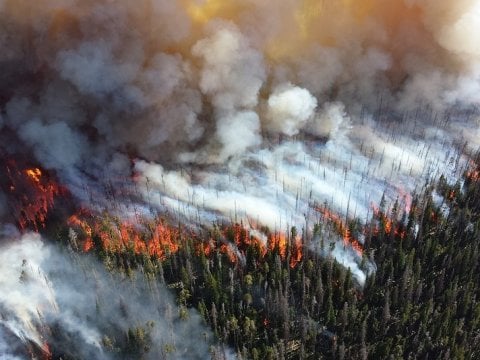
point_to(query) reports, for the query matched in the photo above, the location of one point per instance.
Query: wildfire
(388, 224)
(158, 239)
(227, 249)
(34, 174)
(33, 194)
(76, 221)
(342, 228)
(279, 241)
(294, 249)
(473, 175)
(296, 253)
(155, 239)
(164, 241)
(245, 237)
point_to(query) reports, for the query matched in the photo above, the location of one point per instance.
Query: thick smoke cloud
(289, 109)
(50, 297)
(258, 110)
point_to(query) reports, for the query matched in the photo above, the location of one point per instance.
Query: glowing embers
(33, 194)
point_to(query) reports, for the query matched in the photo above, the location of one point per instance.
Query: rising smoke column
(240, 109)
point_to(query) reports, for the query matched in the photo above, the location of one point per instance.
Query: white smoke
(232, 72)
(289, 108)
(242, 109)
(238, 132)
(232, 75)
(329, 120)
(44, 290)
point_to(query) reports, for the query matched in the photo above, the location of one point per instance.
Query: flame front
(154, 238)
(33, 194)
(160, 240)
(342, 228)
(388, 224)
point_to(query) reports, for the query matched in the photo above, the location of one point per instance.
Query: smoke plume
(240, 109)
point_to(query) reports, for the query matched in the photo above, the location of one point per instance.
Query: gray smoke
(241, 109)
(48, 296)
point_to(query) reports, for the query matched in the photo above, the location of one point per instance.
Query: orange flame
(389, 224)
(158, 239)
(297, 252)
(35, 174)
(342, 228)
(278, 240)
(207, 247)
(226, 249)
(34, 194)
(75, 221)
(164, 241)
(88, 245)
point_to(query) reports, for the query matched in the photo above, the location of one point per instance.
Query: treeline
(423, 300)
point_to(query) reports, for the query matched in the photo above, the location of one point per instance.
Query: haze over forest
(293, 179)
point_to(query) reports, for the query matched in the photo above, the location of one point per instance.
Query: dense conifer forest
(271, 302)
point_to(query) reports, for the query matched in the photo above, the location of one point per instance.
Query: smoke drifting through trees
(255, 110)
(51, 299)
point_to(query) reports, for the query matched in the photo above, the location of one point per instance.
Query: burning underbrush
(158, 239)
(32, 194)
(241, 263)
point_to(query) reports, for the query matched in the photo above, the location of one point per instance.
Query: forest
(285, 300)
(239, 179)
